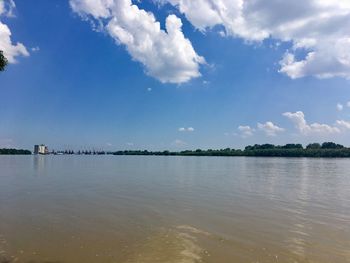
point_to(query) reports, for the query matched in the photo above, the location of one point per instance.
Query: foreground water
(132, 209)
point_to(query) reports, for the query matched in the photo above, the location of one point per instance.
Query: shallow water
(147, 209)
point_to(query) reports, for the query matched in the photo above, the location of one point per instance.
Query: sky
(174, 74)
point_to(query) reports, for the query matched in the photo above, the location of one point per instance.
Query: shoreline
(313, 150)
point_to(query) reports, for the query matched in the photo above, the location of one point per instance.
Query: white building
(41, 149)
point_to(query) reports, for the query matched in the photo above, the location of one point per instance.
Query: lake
(145, 209)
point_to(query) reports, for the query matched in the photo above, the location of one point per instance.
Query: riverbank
(324, 150)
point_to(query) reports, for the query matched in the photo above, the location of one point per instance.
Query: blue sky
(75, 87)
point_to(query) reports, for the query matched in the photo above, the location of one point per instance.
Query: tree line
(326, 149)
(14, 151)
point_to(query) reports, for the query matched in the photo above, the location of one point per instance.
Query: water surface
(145, 209)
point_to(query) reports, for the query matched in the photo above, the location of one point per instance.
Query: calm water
(132, 209)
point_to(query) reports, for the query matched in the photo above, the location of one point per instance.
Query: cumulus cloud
(95, 8)
(7, 8)
(2, 7)
(11, 50)
(298, 118)
(167, 55)
(35, 49)
(343, 124)
(340, 107)
(317, 29)
(183, 129)
(245, 131)
(269, 128)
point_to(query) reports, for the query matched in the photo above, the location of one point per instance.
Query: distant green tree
(331, 145)
(3, 61)
(313, 146)
(292, 146)
(327, 149)
(14, 151)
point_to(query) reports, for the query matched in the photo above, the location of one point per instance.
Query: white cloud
(7, 8)
(183, 129)
(246, 131)
(2, 7)
(11, 50)
(166, 54)
(340, 107)
(318, 28)
(298, 118)
(348, 104)
(96, 8)
(269, 128)
(35, 49)
(343, 124)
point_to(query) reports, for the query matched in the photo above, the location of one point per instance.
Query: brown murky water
(131, 209)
